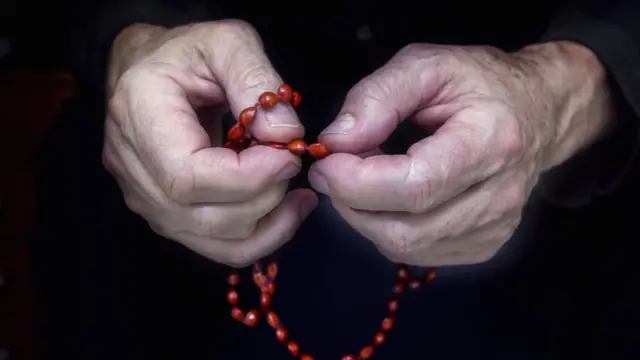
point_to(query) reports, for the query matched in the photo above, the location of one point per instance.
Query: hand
(499, 119)
(169, 88)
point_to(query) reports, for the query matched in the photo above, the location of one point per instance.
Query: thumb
(237, 59)
(378, 103)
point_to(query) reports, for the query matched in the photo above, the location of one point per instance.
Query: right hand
(168, 90)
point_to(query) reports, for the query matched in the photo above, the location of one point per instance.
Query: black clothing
(111, 289)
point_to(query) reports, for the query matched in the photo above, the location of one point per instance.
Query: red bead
(387, 323)
(297, 147)
(318, 150)
(259, 279)
(234, 279)
(430, 275)
(285, 92)
(247, 115)
(296, 99)
(277, 145)
(268, 99)
(272, 319)
(398, 289)
(237, 314)
(232, 297)
(414, 284)
(244, 142)
(251, 319)
(393, 305)
(306, 357)
(403, 274)
(270, 288)
(265, 300)
(348, 357)
(366, 352)
(282, 335)
(379, 339)
(272, 270)
(236, 133)
(234, 145)
(294, 349)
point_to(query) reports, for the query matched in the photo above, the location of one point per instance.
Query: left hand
(457, 196)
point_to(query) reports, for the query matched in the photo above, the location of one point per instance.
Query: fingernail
(318, 182)
(282, 117)
(289, 171)
(341, 125)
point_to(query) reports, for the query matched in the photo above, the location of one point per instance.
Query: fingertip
(281, 224)
(318, 182)
(357, 131)
(302, 201)
(336, 163)
(336, 170)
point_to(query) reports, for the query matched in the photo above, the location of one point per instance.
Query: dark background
(33, 32)
(594, 267)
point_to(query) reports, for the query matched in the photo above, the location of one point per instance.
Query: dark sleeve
(93, 25)
(611, 29)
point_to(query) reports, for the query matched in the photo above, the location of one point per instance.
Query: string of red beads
(238, 140)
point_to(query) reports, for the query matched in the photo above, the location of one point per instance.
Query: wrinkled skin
(455, 197)
(500, 120)
(164, 118)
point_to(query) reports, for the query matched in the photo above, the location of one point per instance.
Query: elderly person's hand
(168, 89)
(500, 120)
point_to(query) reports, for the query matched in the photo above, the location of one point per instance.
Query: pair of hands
(454, 198)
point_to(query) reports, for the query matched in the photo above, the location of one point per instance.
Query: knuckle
(179, 187)
(421, 186)
(514, 196)
(431, 53)
(513, 142)
(505, 233)
(254, 76)
(134, 204)
(109, 161)
(118, 101)
(422, 197)
(233, 33)
(161, 229)
(414, 49)
(116, 105)
(232, 27)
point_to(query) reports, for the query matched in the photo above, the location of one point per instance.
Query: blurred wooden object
(29, 102)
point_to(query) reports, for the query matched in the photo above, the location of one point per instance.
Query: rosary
(238, 140)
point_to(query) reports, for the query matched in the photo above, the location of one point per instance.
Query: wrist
(130, 45)
(576, 91)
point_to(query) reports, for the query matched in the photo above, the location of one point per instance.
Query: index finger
(433, 171)
(177, 151)
(222, 175)
(240, 65)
